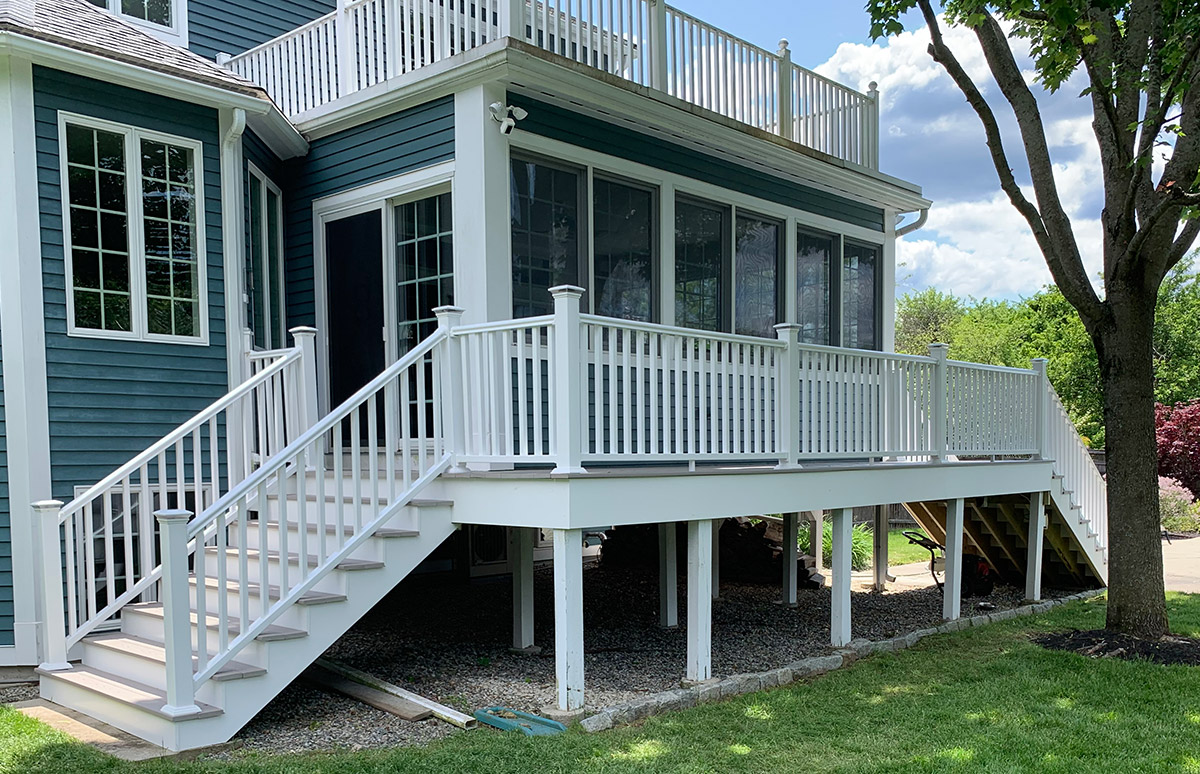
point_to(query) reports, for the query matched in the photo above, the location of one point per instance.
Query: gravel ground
(11, 693)
(459, 656)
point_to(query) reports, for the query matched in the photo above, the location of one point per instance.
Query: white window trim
(268, 185)
(176, 34)
(137, 252)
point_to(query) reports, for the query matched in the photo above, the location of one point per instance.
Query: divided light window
(860, 310)
(133, 227)
(757, 253)
(623, 247)
(545, 213)
(701, 260)
(264, 269)
(814, 262)
(424, 266)
(159, 12)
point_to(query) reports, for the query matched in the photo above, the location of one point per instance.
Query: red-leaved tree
(1177, 429)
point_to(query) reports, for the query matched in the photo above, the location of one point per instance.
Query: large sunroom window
(545, 220)
(757, 250)
(133, 228)
(623, 249)
(701, 256)
(814, 262)
(860, 310)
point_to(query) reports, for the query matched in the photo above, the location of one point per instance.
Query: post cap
(48, 505)
(172, 515)
(303, 330)
(448, 310)
(566, 291)
(872, 89)
(783, 46)
(939, 350)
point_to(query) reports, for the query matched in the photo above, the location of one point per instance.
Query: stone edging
(736, 685)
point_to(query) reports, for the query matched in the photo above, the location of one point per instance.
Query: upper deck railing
(647, 42)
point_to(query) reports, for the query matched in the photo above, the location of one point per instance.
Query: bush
(1177, 508)
(860, 545)
(1177, 429)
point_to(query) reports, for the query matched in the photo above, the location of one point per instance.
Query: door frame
(380, 195)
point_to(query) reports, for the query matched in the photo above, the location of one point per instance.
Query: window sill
(87, 333)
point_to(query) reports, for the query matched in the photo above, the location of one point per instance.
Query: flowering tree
(1178, 434)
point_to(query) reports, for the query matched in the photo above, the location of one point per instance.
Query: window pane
(544, 212)
(858, 297)
(623, 253)
(699, 261)
(169, 230)
(255, 279)
(97, 205)
(424, 266)
(756, 271)
(157, 11)
(275, 267)
(813, 259)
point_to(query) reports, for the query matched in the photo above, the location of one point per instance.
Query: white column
(952, 592)
(567, 379)
(658, 45)
(879, 552)
(49, 555)
(177, 625)
(699, 599)
(788, 394)
(512, 19)
(1033, 557)
(787, 128)
(791, 569)
(668, 576)
(520, 555)
(939, 353)
(716, 558)
(816, 537)
(1041, 407)
(568, 618)
(839, 624)
(346, 67)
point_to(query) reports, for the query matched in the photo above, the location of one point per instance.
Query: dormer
(166, 20)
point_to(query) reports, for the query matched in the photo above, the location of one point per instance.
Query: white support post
(1033, 556)
(879, 564)
(839, 623)
(787, 128)
(952, 590)
(512, 19)
(568, 379)
(568, 618)
(791, 565)
(49, 554)
(940, 353)
(306, 340)
(699, 600)
(787, 388)
(346, 69)
(450, 368)
(520, 554)
(658, 45)
(716, 558)
(871, 130)
(392, 30)
(1041, 407)
(668, 576)
(816, 537)
(177, 625)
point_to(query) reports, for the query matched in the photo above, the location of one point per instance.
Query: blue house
(291, 293)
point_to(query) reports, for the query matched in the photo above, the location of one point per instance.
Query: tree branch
(1183, 243)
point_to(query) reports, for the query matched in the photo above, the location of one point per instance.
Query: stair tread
(313, 561)
(349, 497)
(253, 589)
(156, 651)
(212, 621)
(349, 529)
(126, 691)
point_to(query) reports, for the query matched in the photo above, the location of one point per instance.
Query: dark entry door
(354, 278)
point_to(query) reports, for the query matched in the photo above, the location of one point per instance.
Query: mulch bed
(1102, 644)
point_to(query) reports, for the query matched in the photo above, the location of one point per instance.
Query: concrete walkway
(1181, 565)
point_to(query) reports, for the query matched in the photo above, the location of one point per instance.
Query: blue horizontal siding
(379, 149)
(234, 26)
(109, 399)
(6, 576)
(587, 132)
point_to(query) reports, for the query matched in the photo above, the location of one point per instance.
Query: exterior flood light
(507, 116)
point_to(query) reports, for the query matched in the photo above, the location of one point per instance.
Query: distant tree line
(1011, 333)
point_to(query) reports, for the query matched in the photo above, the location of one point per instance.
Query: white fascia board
(124, 74)
(278, 133)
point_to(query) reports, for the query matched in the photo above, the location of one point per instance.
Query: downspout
(922, 216)
(233, 124)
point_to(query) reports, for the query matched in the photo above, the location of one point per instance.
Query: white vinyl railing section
(100, 548)
(647, 42)
(1074, 463)
(991, 410)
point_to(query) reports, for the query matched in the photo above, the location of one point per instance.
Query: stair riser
(331, 582)
(135, 721)
(151, 628)
(274, 541)
(295, 617)
(407, 518)
(146, 671)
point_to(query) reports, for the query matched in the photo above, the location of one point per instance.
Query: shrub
(1177, 508)
(860, 545)
(1177, 429)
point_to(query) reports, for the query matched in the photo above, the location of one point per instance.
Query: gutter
(922, 217)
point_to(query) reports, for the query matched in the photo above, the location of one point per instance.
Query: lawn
(900, 551)
(981, 700)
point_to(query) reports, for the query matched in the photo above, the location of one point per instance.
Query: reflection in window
(264, 270)
(623, 253)
(699, 265)
(859, 319)
(424, 266)
(814, 257)
(169, 220)
(155, 11)
(544, 212)
(756, 262)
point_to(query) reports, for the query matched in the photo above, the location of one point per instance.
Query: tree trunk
(1136, 597)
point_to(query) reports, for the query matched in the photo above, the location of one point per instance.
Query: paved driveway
(1181, 565)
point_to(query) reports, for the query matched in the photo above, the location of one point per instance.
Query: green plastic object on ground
(507, 719)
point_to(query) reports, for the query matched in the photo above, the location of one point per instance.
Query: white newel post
(787, 391)
(1041, 407)
(871, 127)
(940, 353)
(658, 44)
(512, 19)
(306, 397)
(177, 626)
(568, 379)
(346, 71)
(46, 514)
(787, 127)
(450, 368)
(392, 35)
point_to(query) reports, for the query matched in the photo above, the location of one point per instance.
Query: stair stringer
(1077, 521)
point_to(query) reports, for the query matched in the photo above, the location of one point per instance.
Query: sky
(975, 243)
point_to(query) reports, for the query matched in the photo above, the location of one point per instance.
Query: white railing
(1074, 463)
(991, 410)
(107, 534)
(646, 42)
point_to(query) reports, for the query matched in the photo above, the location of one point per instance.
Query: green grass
(900, 551)
(981, 700)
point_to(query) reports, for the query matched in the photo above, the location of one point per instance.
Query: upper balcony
(645, 42)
